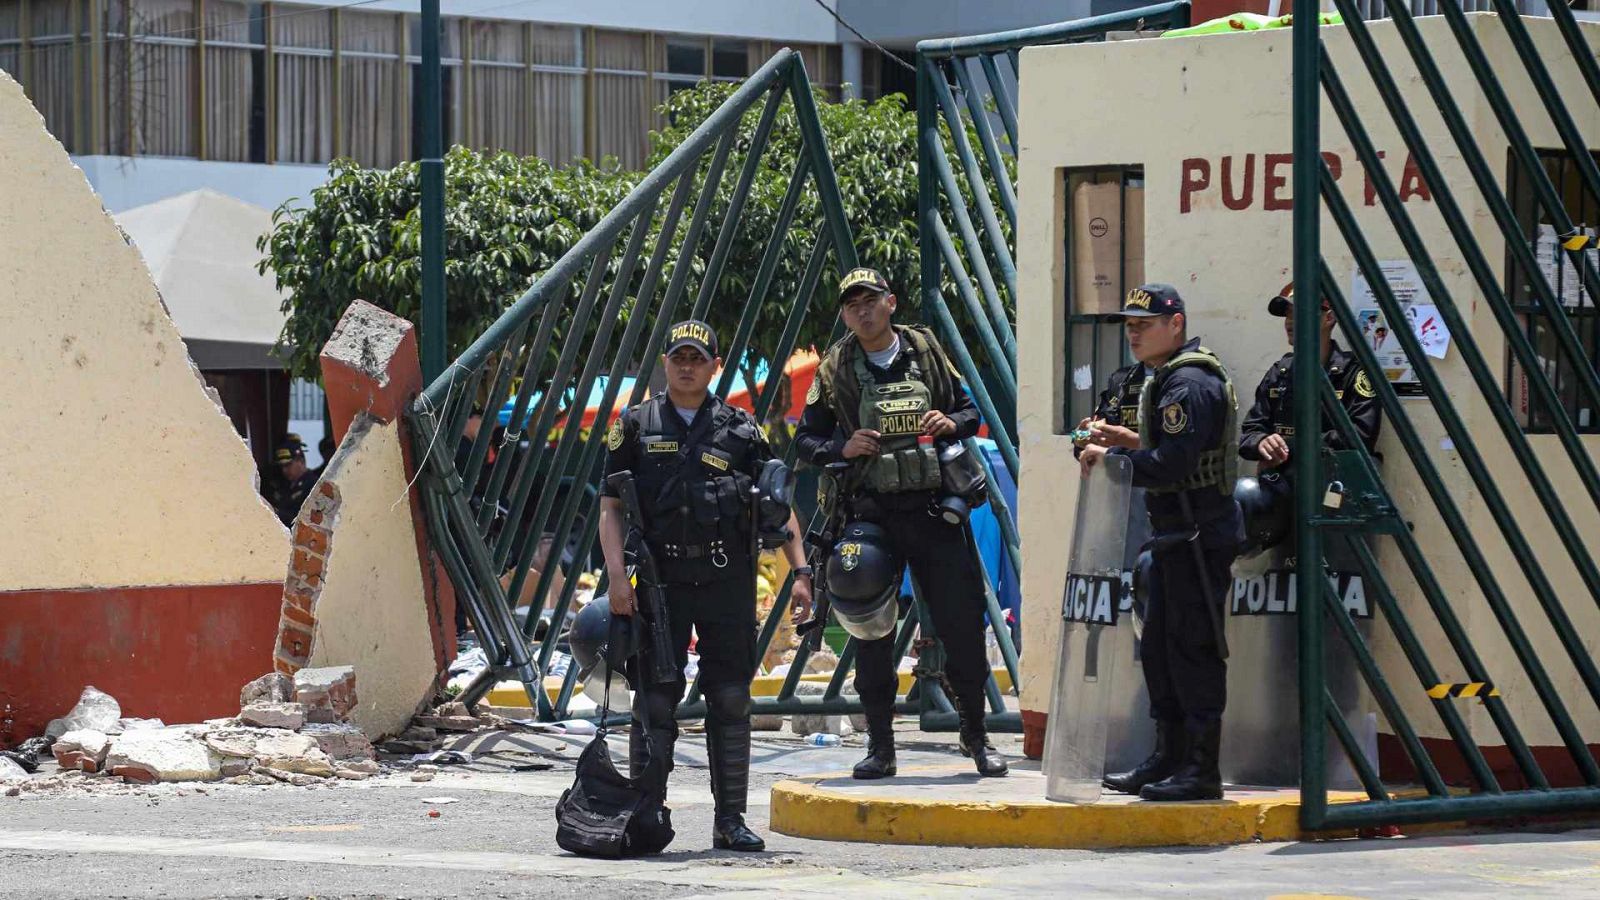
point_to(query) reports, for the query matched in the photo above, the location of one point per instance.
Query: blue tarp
(987, 535)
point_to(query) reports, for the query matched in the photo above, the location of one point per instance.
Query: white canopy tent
(201, 250)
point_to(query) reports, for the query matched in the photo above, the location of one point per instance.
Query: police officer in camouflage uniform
(694, 459)
(1184, 458)
(885, 396)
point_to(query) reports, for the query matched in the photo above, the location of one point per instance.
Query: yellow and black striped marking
(1469, 689)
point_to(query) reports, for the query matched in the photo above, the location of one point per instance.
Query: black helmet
(1268, 511)
(595, 633)
(864, 580)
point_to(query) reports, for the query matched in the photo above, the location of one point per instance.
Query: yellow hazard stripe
(1576, 242)
(1466, 689)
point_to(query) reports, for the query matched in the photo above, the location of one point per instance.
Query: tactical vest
(1125, 399)
(692, 481)
(895, 411)
(1218, 467)
(1341, 372)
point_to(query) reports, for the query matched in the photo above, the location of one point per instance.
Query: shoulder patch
(1363, 385)
(1173, 418)
(814, 393)
(614, 436)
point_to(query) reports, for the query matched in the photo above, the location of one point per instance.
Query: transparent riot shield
(1075, 738)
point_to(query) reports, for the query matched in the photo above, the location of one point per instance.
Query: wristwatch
(804, 570)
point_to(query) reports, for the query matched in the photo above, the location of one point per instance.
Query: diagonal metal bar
(991, 148)
(741, 193)
(764, 272)
(505, 365)
(519, 417)
(1004, 360)
(1003, 101)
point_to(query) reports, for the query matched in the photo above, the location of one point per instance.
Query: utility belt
(701, 563)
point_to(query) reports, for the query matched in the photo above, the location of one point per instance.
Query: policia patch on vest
(814, 393)
(1173, 419)
(614, 436)
(1363, 385)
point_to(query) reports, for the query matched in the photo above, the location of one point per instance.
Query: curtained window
(622, 97)
(499, 108)
(236, 84)
(374, 115)
(48, 75)
(302, 79)
(450, 81)
(558, 95)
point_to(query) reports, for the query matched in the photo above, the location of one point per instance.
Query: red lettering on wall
(1335, 164)
(1370, 192)
(1240, 200)
(1274, 183)
(1411, 183)
(1196, 177)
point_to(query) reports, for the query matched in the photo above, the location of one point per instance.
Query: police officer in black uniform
(1267, 434)
(295, 478)
(884, 394)
(1118, 405)
(694, 459)
(1184, 458)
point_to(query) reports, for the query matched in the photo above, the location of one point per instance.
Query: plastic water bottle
(819, 739)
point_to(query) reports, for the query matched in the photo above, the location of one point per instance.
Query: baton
(1214, 610)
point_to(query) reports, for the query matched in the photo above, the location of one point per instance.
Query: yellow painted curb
(510, 693)
(805, 808)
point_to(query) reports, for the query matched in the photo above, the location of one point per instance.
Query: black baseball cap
(862, 277)
(692, 333)
(1279, 305)
(289, 450)
(1149, 300)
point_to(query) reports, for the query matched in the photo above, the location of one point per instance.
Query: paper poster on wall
(1556, 266)
(1430, 329)
(1379, 334)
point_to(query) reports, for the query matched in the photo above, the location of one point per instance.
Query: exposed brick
(294, 643)
(299, 616)
(328, 490)
(296, 594)
(134, 773)
(307, 565)
(279, 664)
(314, 516)
(313, 540)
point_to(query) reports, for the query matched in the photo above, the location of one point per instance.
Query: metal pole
(433, 301)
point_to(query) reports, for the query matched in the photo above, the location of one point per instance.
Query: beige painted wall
(121, 470)
(1160, 102)
(372, 613)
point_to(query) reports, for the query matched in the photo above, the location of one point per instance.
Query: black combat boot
(728, 752)
(1198, 778)
(1171, 748)
(879, 761)
(975, 742)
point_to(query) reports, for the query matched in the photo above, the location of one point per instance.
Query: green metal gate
(1370, 508)
(597, 317)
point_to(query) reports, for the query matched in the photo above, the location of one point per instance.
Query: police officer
(1118, 406)
(694, 459)
(877, 395)
(1267, 434)
(295, 479)
(1184, 458)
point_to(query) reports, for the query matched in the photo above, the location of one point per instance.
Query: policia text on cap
(887, 400)
(695, 459)
(1183, 456)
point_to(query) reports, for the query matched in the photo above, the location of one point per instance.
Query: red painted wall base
(177, 653)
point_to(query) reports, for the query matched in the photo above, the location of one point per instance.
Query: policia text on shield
(695, 461)
(1183, 455)
(887, 400)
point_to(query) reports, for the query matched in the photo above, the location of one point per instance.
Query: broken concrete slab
(312, 762)
(328, 692)
(234, 767)
(94, 710)
(126, 724)
(364, 766)
(340, 741)
(274, 715)
(449, 723)
(10, 771)
(273, 687)
(82, 749)
(168, 754)
(284, 745)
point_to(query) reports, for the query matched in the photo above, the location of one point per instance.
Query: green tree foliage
(510, 218)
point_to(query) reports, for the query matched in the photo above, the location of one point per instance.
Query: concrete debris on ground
(273, 687)
(328, 694)
(170, 754)
(83, 749)
(10, 771)
(289, 716)
(95, 710)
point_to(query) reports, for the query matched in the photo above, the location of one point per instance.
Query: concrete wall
(127, 489)
(1185, 106)
(371, 613)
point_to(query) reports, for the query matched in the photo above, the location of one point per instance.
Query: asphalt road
(376, 839)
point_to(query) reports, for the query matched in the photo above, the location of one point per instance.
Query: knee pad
(660, 702)
(728, 702)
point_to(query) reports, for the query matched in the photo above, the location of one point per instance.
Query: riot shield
(1075, 738)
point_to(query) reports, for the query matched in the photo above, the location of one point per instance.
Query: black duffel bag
(608, 814)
